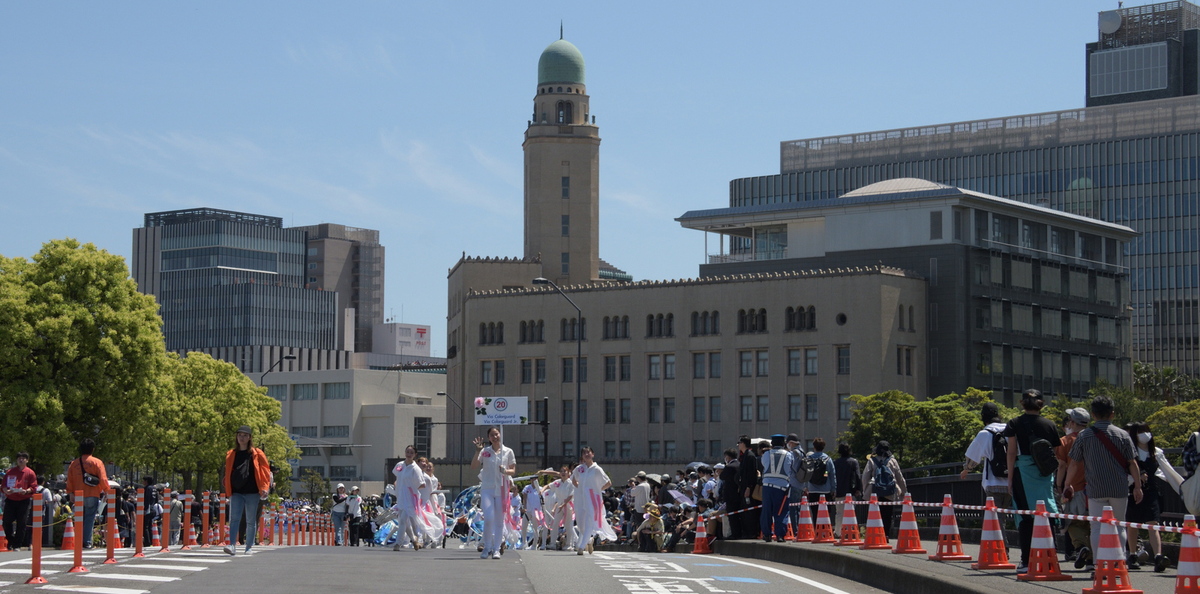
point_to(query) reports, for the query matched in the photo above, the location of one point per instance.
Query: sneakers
(484, 555)
(496, 555)
(396, 547)
(248, 552)
(1161, 562)
(589, 547)
(1132, 563)
(1023, 567)
(1083, 558)
(579, 552)
(229, 551)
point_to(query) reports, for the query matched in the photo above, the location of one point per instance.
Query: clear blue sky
(407, 117)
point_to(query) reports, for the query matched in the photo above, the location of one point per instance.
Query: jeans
(91, 505)
(339, 522)
(243, 505)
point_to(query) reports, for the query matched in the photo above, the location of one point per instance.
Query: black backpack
(885, 481)
(819, 476)
(999, 460)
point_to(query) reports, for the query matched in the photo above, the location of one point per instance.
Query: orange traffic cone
(876, 533)
(849, 528)
(1043, 557)
(3, 537)
(791, 535)
(701, 546)
(949, 542)
(804, 530)
(155, 539)
(1112, 576)
(992, 554)
(68, 542)
(909, 540)
(1187, 579)
(824, 530)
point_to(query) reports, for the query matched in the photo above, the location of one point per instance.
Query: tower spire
(560, 29)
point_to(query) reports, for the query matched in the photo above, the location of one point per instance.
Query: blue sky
(407, 117)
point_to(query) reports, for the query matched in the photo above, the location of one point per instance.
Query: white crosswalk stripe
(164, 566)
(133, 577)
(91, 589)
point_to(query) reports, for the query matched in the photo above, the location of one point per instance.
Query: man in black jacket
(748, 479)
(731, 494)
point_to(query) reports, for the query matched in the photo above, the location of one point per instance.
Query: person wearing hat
(1079, 532)
(795, 485)
(354, 514)
(776, 480)
(650, 531)
(338, 513)
(247, 480)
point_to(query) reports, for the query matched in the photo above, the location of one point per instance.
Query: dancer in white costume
(533, 515)
(410, 481)
(430, 512)
(564, 507)
(497, 464)
(590, 481)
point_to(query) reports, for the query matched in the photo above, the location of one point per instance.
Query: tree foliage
(921, 432)
(317, 488)
(79, 350)
(1130, 405)
(1171, 425)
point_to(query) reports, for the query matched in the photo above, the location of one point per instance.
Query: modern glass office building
(229, 279)
(1135, 163)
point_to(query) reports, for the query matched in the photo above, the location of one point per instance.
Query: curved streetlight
(274, 365)
(578, 355)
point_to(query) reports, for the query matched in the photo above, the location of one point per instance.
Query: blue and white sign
(508, 410)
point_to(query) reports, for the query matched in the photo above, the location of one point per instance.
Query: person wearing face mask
(1147, 511)
(1078, 531)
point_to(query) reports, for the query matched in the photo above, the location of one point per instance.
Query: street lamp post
(274, 365)
(578, 355)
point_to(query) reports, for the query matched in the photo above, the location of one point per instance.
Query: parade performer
(410, 481)
(590, 481)
(533, 515)
(430, 513)
(496, 463)
(564, 508)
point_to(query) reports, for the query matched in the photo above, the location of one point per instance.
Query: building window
(566, 263)
(539, 411)
(699, 449)
(566, 225)
(610, 450)
(699, 406)
(610, 369)
(698, 365)
(763, 363)
(764, 408)
(485, 373)
(669, 449)
(626, 374)
(714, 409)
(566, 187)
(610, 411)
(935, 224)
(904, 360)
(655, 449)
(714, 365)
(654, 365)
(706, 323)
(319, 470)
(715, 450)
(583, 412)
(305, 431)
(526, 371)
(626, 449)
(278, 392)
(810, 361)
(539, 449)
(811, 407)
(752, 321)
(626, 411)
(499, 373)
(843, 359)
(335, 431)
(568, 370)
(304, 392)
(795, 363)
(652, 410)
(343, 472)
(526, 448)
(539, 371)
(567, 412)
(795, 408)
(668, 410)
(845, 406)
(669, 366)
(568, 449)
(747, 408)
(746, 363)
(340, 451)
(583, 369)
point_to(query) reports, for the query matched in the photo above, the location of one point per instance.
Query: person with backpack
(989, 450)
(1032, 463)
(823, 478)
(1078, 531)
(796, 480)
(882, 478)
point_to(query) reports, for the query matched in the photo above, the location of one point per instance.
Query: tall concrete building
(1134, 162)
(350, 262)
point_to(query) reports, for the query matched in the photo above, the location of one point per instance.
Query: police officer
(776, 479)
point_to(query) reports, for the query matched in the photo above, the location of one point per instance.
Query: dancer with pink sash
(410, 481)
(590, 481)
(430, 513)
(496, 463)
(563, 509)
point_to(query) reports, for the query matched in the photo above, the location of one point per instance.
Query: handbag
(89, 479)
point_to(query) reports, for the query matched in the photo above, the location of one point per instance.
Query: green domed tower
(562, 170)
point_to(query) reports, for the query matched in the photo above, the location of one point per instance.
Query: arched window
(562, 330)
(482, 333)
(669, 325)
(650, 325)
(658, 325)
(762, 320)
(583, 329)
(901, 316)
(564, 112)
(605, 333)
(500, 333)
(568, 89)
(523, 332)
(741, 321)
(541, 331)
(715, 318)
(789, 323)
(624, 326)
(491, 333)
(559, 89)
(697, 329)
(574, 327)
(912, 325)
(812, 318)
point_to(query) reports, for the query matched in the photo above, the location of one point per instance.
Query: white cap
(341, 486)
(354, 488)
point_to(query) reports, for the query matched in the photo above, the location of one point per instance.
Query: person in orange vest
(248, 481)
(86, 473)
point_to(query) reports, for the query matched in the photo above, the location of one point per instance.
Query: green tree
(79, 349)
(1171, 425)
(190, 425)
(1129, 405)
(318, 488)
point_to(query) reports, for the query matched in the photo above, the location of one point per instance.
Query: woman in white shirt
(409, 483)
(354, 513)
(590, 481)
(496, 463)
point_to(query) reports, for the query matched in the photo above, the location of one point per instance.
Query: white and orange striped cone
(804, 529)
(823, 534)
(155, 538)
(992, 553)
(3, 537)
(1187, 579)
(1112, 576)
(701, 545)
(908, 542)
(849, 536)
(876, 533)
(1043, 556)
(949, 542)
(68, 541)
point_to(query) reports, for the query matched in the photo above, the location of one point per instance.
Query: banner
(511, 410)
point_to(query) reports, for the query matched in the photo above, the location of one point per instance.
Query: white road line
(24, 571)
(789, 575)
(167, 567)
(92, 589)
(133, 577)
(196, 559)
